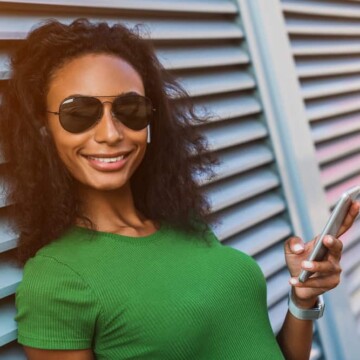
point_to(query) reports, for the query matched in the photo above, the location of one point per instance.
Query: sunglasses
(80, 113)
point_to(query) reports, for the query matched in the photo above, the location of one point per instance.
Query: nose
(106, 130)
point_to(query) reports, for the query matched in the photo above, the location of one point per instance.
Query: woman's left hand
(326, 272)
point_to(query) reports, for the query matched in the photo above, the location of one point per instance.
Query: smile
(104, 162)
(107, 160)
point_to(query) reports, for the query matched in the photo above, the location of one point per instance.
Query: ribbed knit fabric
(165, 296)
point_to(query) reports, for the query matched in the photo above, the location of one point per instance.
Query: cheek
(67, 157)
(136, 138)
(66, 148)
(139, 140)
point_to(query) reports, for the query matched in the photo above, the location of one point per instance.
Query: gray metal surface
(284, 88)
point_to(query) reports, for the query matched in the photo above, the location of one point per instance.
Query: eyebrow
(119, 94)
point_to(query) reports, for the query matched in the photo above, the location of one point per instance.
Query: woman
(119, 263)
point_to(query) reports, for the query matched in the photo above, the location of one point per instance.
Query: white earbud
(43, 131)
(148, 135)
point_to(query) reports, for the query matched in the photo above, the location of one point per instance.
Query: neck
(113, 211)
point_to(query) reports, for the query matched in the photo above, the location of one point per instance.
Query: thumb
(294, 245)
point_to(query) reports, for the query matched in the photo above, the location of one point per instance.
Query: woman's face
(105, 156)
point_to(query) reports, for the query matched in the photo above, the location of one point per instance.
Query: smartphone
(332, 227)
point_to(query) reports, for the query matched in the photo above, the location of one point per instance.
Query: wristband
(307, 314)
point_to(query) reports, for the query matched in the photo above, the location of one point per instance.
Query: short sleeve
(56, 309)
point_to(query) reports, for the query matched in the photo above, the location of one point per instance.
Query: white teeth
(107, 160)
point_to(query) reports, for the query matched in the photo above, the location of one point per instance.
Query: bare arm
(40, 354)
(295, 336)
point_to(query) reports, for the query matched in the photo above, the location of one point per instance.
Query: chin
(106, 187)
(101, 185)
(104, 182)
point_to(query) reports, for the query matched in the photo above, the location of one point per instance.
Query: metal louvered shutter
(203, 43)
(268, 39)
(325, 39)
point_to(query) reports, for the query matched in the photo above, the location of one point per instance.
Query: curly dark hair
(41, 188)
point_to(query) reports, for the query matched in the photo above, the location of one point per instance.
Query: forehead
(94, 74)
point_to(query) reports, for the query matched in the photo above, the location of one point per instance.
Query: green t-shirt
(166, 296)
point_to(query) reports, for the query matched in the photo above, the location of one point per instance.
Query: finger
(294, 245)
(350, 217)
(324, 267)
(354, 209)
(334, 245)
(325, 282)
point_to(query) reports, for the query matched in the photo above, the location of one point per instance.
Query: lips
(105, 155)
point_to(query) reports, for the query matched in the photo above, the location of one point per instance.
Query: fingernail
(307, 264)
(294, 281)
(298, 247)
(329, 240)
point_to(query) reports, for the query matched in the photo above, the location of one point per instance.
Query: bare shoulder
(40, 354)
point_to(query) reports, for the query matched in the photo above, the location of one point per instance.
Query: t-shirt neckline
(157, 235)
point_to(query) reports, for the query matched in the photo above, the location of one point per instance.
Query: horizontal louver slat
(260, 238)
(316, 47)
(322, 8)
(13, 27)
(272, 260)
(8, 237)
(240, 188)
(200, 56)
(328, 67)
(333, 193)
(321, 109)
(226, 134)
(228, 107)
(338, 148)
(240, 217)
(11, 276)
(328, 87)
(197, 6)
(235, 161)
(277, 314)
(217, 82)
(322, 28)
(325, 130)
(8, 330)
(340, 170)
(278, 287)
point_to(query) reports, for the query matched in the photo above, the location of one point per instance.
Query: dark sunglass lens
(79, 114)
(133, 111)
